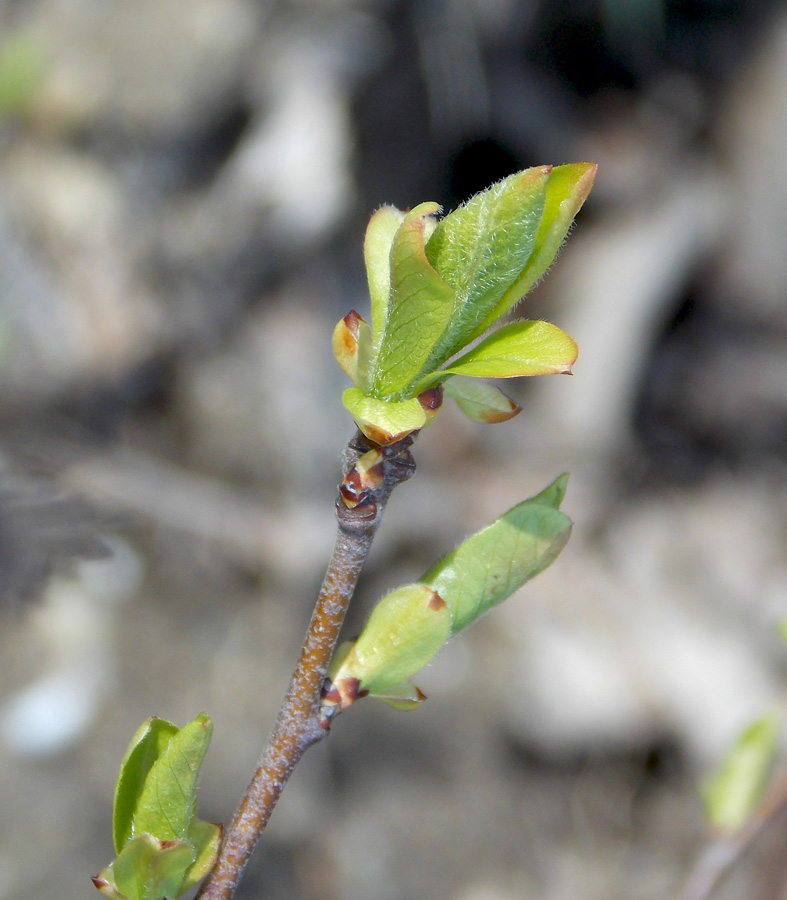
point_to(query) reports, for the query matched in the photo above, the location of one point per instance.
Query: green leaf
(732, 794)
(147, 745)
(150, 869)
(205, 838)
(418, 310)
(382, 421)
(496, 561)
(410, 625)
(380, 234)
(404, 696)
(104, 883)
(514, 351)
(406, 629)
(480, 401)
(566, 190)
(168, 800)
(481, 248)
(553, 494)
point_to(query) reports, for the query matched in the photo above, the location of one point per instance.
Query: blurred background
(184, 186)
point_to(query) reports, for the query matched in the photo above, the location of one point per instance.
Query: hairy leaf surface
(168, 800)
(481, 248)
(418, 309)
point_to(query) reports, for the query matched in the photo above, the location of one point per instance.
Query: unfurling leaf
(168, 801)
(406, 629)
(410, 625)
(481, 248)
(146, 869)
(436, 287)
(383, 421)
(732, 794)
(496, 561)
(380, 234)
(418, 309)
(514, 351)
(352, 348)
(162, 848)
(480, 401)
(205, 838)
(147, 745)
(566, 190)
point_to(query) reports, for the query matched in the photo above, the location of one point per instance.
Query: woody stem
(363, 495)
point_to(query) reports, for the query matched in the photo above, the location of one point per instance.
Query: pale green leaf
(553, 494)
(149, 869)
(104, 883)
(410, 625)
(406, 629)
(384, 422)
(496, 561)
(147, 745)
(566, 190)
(481, 249)
(480, 401)
(167, 803)
(205, 838)
(732, 794)
(513, 351)
(380, 233)
(404, 696)
(418, 311)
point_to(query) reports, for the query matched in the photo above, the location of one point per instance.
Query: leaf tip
(413, 699)
(436, 602)
(584, 177)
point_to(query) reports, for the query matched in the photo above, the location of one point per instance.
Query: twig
(721, 854)
(370, 475)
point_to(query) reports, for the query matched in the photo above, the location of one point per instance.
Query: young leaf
(146, 869)
(496, 561)
(168, 800)
(147, 745)
(480, 401)
(404, 696)
(382, 421)
(566, 190)
(380, 233)
(732, 794)
(406, 629)
(409, 626)
(205, 838)
(514, 351)
(352, 347)
(553, 494)
(481, 248)
(418, 309)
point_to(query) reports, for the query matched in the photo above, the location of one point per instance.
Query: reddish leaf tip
(352, 320)
(436, 602)
(496, 416)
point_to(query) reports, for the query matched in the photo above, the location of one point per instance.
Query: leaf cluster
(162, 848)
(438, 286)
